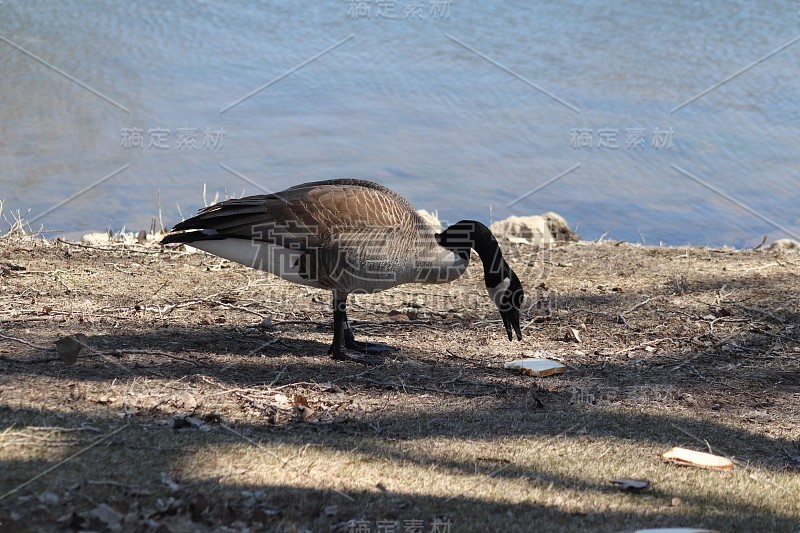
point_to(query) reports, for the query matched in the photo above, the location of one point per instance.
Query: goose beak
(511, 320)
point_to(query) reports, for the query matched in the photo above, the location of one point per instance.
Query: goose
(350, 236)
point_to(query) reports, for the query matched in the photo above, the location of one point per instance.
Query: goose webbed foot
(369, 348)
(369, 353)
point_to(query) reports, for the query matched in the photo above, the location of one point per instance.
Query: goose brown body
(343, 235)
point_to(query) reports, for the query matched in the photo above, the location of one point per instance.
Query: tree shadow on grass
(142, 466)
(497, 403)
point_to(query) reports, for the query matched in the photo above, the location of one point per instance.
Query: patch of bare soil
(204, 399)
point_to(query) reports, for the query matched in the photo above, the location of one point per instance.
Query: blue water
(409, 102)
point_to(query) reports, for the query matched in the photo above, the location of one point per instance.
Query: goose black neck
(470, 234)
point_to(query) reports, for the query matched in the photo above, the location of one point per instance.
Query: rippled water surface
(460, 107)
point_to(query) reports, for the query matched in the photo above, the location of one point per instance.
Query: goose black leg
(343, 338)
(339, 305)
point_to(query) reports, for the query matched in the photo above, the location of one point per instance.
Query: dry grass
(680, 346)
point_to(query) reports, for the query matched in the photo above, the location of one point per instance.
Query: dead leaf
(186, 400)
(683, 456)
(77, 391)
(304, 412)
(627, 483)
(333, 388)
(573, 335)
(128, 410)
(103, 399)
(68, 347)
(299, 399)
(536, 367)
(282, 400)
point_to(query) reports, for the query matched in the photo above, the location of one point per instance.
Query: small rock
(784, 245)
(542, 229)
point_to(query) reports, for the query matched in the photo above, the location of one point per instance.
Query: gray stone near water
(547, 228)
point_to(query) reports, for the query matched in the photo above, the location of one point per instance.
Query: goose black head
(458, 238)
(503, 285)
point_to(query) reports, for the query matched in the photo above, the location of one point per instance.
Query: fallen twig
(23, 341)
(762, 312)
(640, 304)
(692, 435)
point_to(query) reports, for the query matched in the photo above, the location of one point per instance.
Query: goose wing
(311, 215)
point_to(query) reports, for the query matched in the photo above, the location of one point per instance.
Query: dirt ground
(205, 400)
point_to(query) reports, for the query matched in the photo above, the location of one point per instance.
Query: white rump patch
(283, 262)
